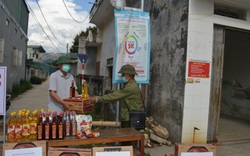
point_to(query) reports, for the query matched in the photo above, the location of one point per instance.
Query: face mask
(66, 67)
(124, 80)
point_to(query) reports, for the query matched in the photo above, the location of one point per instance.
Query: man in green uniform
(129, 95)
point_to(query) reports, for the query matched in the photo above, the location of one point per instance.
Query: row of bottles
(56, 127)
(45, 126)
(22, 127)
(84, 90)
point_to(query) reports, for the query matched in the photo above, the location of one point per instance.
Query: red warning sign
(198, 69)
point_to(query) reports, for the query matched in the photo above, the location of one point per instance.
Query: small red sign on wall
(198, 69)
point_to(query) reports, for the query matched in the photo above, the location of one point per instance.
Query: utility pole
(67, 48)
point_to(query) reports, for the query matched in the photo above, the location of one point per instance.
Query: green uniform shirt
(130, 97)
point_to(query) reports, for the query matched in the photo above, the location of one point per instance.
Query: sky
(54, 25)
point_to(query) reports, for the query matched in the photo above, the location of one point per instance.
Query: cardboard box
(113, 149)
(188, 147)
(21, 145)
(69, 151)
(79, 106)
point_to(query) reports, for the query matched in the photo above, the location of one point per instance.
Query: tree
(74, 47)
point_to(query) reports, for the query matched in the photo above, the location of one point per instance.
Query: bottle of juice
(11, 128)
(24, 110)
(60, 126)
(40, 128)
(19, 127)
(47, 128)
(85, 90)
(27, 112)
(72, 89)
(26, 128)
(50, 115)
(36, 115)
(54, 126)
(33, 126)
(73, 124)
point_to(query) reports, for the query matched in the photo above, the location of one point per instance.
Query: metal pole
(142, 5)
(83, 61)
(4, 127)
(67, 48)
(118, 107)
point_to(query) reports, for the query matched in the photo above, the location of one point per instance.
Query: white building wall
(108, 47)
(200, 46)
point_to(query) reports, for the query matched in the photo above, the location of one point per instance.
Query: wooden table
(106, 136)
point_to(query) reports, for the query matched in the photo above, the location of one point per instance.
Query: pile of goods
(48, 125)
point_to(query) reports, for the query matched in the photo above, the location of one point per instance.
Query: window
(97, 70)
(20, 57)
(15, 57)
(1, 50)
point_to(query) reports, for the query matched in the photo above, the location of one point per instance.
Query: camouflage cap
(63, 59)
(128, 69)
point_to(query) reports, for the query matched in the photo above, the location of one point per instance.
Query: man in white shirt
(59, 85)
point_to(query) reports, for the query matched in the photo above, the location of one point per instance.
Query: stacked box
(69, 151)
(21, 145)
(79, 105)
(188, 147)
(113, 149)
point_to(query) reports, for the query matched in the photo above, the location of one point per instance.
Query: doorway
(235, 95)
(229, 116)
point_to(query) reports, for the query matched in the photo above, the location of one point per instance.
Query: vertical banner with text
(132, 31)
(3, 72)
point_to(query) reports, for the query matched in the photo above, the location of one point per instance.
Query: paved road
(36, 98)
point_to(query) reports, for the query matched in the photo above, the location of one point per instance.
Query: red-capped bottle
(67, 124)
(47, 127)
(40, 128)
(72, 89)
(60, 123)
(73, 124)
(54, 126)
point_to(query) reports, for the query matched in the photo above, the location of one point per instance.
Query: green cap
(63, 59)
(128, 69)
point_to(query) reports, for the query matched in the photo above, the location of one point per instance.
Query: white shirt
(61, 85)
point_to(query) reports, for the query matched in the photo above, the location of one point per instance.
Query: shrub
(23, 86)
(35, 80)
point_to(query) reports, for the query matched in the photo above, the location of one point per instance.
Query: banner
(3, 73)
(132, 32)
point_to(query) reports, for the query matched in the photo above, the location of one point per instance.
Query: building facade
(193, 65)
(13, 39)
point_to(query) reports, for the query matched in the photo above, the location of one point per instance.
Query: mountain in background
(49, 57)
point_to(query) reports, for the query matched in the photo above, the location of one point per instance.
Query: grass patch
(18, 89)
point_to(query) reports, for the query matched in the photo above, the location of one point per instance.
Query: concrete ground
(234, 136)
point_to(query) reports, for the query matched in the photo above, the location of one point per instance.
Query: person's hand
(86, 102)
(92, 100)
(66, 105)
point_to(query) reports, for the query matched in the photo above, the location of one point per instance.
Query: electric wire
(71, 14)
(33, 14)
(47, 23)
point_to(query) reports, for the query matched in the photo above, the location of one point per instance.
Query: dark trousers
(125, 124)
